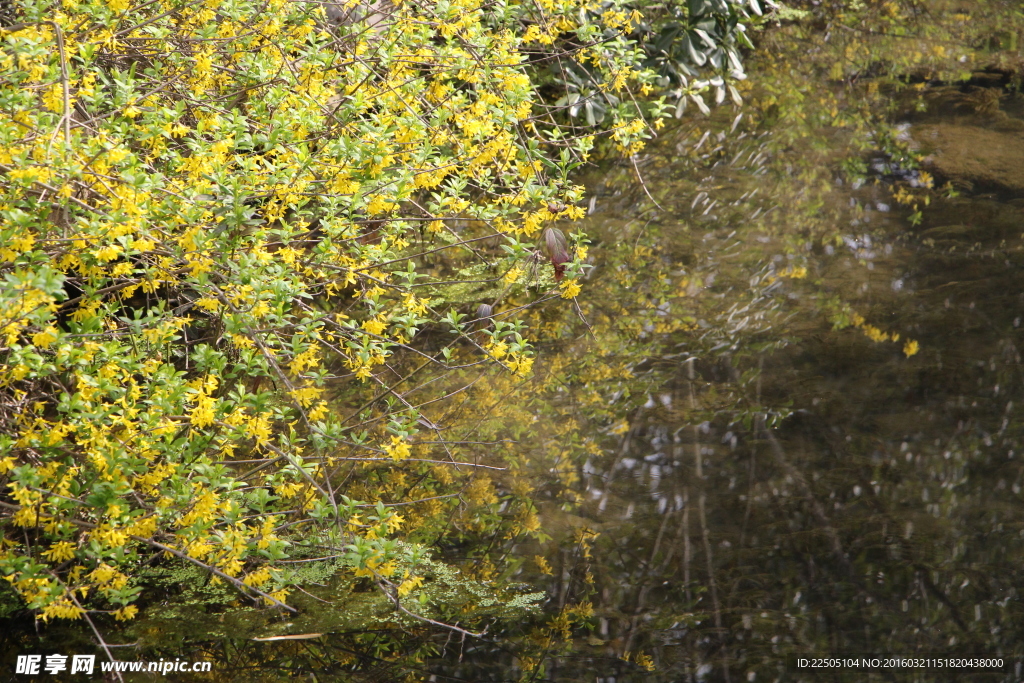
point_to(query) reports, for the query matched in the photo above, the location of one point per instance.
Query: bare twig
(643, 184)
(702, 516)
(213, 570)
(387, 587)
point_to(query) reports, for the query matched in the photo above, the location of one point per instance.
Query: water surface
(769, 486)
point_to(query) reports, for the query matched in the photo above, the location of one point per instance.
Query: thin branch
(643, 184)
(702, 516)
(213, 570)
(386, 587)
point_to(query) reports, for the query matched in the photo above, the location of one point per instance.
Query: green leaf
(696, 56)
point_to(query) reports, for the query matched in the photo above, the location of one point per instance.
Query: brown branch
(213, 570)
(386, 585)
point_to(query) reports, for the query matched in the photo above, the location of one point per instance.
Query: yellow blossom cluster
(211, 268)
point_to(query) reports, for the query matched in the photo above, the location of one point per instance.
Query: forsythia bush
(227, 227)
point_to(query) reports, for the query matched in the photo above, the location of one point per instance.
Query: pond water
(779, 488)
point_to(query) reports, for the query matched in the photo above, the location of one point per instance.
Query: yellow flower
(202, 413)
(398, 449)
(875, 334)
(394, 522)
(208, 303)
(258, 577)
(911, 348)
(62, 609)
(279, 595)
(513, 275)
(45, 338)
(375, 326)
(107, 253)
(319, 412)
(126, 613)
(570, 288)
(260, 309)
(409, 585)
(498, 350)
(522, 366)
(60, 551)
(103, 573)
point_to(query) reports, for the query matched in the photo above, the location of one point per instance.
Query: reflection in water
(877, 511)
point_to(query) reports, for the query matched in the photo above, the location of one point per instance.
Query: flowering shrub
(231, 233)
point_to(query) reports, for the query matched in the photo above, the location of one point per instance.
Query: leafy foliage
(228, 236)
